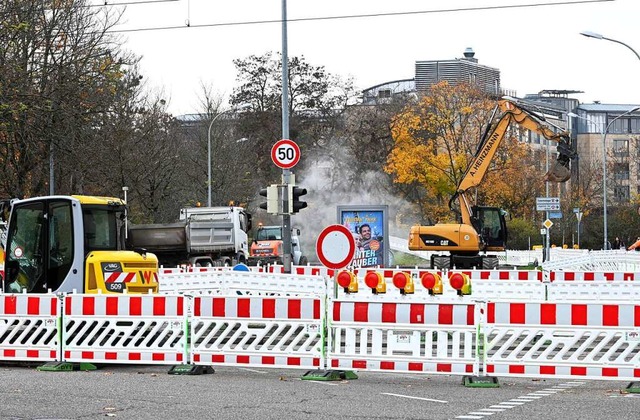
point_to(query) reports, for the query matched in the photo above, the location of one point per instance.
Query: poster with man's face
(368, 224)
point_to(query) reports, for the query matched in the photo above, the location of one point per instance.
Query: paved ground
(132, 392)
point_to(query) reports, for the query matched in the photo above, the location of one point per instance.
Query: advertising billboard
(370, 229)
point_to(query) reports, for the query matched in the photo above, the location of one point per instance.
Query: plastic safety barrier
(29, 328)
(562, 340)
(258, 331)
(124, 329)
(403, 337)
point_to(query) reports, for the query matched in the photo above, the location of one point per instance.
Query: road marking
(414, 398)
(470, 417)
(482, 413)
(252, 370)
(323, 382)
(496, 409)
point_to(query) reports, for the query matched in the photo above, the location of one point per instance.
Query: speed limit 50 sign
(285, 153)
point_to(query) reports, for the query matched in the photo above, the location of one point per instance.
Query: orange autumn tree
(434, 143)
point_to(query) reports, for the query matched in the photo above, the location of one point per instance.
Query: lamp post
(209, 154)
(604, 166)
(590, 34)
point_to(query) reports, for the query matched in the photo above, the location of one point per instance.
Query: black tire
(303, 261)
(489, 263)
(440, 262)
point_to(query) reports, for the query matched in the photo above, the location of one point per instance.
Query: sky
(536, 47)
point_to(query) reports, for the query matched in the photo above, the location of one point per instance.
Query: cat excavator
(483, 229)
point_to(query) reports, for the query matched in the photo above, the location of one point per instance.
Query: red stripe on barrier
(67, 354)
(608, 276)
(197, 306)
(244, 308)
(242, 359)
(135, 356)
(217, 358)
(111, 355)
(268, 308)
(335, 363)
(54, 306)
(610, 315)
(468, 368)
(300, 271)
(471, 315)
(135, 305)
(578, 314)
(180, 303)
(415, 367)
(52, 354)
(491, 313)
(590, 276)
(130, 277)
(578, 371)
(316, 309)
(552, 276)
(157, 357)
(88, 305)
(548, 313)
(86, 355)
(569, 276)
(629, 277)
(112, 306)
(416, 313)
(636, 316)
(389, 312)
(387, 365)
(504, 275)
(490, 368)
(636, 373)
(443, 367)
(33, 305)
(293, 361)
(336, 311)
(445, 314)
(294, 309)
(359, 364)
(112, 278)
(219, 307)
(268, 360)
(159, 306)
(484, 275)
(9, 353)
(361, 312)
(611, 372)
(516, 313)
(547, 370)
(518, 369)
(523, 275)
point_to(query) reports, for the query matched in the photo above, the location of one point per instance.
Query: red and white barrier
(258, 331)
(134, 329)
(562, 340)
(29, 327)
(403, 337)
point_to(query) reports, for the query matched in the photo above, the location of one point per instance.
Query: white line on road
(414, 398)
(252, 370)
(323, 382)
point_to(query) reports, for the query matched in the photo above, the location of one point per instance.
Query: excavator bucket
(559, 172)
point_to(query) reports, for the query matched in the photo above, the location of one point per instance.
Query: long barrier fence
(474, 322)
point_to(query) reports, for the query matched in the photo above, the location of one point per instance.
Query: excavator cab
(491, 224)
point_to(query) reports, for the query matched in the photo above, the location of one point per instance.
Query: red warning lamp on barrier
(348, 281)
(404, 282)
(461, 282)
(375, 281)
(432, 282)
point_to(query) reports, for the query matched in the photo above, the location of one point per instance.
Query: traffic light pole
(286, 173)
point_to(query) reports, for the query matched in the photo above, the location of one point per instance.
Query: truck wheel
(303, 261)
(240, 258)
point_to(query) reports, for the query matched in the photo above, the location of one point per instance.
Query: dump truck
(202, 237)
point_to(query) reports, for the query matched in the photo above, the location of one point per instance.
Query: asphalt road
(148, 392)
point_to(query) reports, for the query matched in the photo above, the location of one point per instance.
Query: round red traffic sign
(335, 247)
(285, 154)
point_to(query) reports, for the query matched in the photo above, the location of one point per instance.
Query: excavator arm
(512, 113)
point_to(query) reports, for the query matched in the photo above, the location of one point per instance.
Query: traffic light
(271, 193)
(295, 205)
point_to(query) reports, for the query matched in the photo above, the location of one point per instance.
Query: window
(621, 193)
(621, 171)
(621, 147)
(635, 125)
(384, 93)
(619, 126)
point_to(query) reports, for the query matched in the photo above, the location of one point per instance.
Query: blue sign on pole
(555, 215)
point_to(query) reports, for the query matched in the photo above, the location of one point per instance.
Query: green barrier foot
(190, 370)
(480, 382)
(328, 375)
(66, 367)
(633, 388)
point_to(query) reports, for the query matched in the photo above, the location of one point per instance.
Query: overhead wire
(358, 16)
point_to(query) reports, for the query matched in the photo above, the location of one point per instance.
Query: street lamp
(209, 153)
(604, 165)
(590, 34)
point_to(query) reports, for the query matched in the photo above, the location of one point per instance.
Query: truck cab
(267, 246)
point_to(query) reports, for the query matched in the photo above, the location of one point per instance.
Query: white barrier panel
(562, 340)
(403, 337)
(258, 331)
(242, 283)
(29, 329)
(594, 276)
(136, 329)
